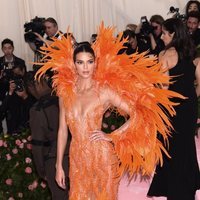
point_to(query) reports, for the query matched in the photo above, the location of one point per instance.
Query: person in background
(134, 43)
(149, 32)
(131, 46)
(157, 45)
(44, 117)
(7, 62)
(51, 32)
(131, 27)
(192, 5)
(179, 177)
(51, 28)
(17, 102)
(192, 22)
(93, 38)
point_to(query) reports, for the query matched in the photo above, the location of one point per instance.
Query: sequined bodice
(82, 124)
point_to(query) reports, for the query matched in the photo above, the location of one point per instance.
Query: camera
(7, 70)
(146, 28)
(19, 84)
(35, 25)
(177, 13)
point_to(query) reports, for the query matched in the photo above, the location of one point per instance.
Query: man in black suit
(51, 31)
(7, 62)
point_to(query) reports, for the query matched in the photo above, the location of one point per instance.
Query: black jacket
(44, 121)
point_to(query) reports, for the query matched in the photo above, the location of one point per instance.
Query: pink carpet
(137, 189)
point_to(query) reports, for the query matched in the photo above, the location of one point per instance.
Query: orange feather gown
(96, 167)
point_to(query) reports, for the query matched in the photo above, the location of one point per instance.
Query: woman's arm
(111, 98)
(61, 145)
(153, 42)
(163, 59)
(197, 74)
(117, 101)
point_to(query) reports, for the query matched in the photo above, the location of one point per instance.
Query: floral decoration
(19, 179)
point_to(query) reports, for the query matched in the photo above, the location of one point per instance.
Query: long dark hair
(181, 40)
(191, 2)
(83, 47)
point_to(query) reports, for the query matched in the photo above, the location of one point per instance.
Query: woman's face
(166, 36)
(157, 28)
(193, 7)
(133, 42)
(85, 64)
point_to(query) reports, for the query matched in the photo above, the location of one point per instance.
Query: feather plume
(138, 79)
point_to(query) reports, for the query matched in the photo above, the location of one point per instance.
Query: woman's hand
(99, 135)
(60, 177)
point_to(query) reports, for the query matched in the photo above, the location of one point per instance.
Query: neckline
(84, 91)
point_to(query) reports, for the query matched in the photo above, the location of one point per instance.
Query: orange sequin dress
(96, 167)
(93, 164)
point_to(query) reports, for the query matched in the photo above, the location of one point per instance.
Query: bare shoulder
(168, 58)
(162, 53)
(112, 98)
(168, 53)
(105, 92)
(106, 95)
(196, 61)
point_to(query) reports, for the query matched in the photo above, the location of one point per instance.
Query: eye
(91, 61)
(79, 62)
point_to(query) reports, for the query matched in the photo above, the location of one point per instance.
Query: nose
(85, 66)
(190, 25)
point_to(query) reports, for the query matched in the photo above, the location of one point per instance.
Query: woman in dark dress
(179, 177)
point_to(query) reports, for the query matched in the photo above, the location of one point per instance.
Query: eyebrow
(87, 60)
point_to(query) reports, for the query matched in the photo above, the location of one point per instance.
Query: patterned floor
(137, 189)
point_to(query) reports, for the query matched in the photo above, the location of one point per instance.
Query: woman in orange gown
(93, 163)
(88, 80)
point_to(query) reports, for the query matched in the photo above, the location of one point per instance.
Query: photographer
(32, 29)
(15, 106)
(151, 32)
(7, 62)
(50, 28)
(132, 45)
(41, 31)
